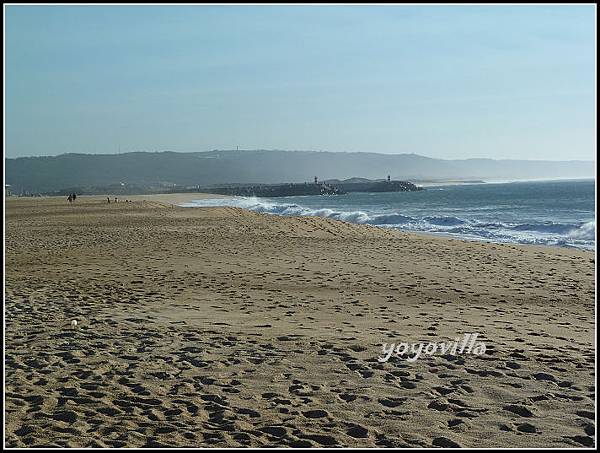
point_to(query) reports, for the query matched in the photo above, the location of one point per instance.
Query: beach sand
(221, 327)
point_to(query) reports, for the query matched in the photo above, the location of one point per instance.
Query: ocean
(559, 213)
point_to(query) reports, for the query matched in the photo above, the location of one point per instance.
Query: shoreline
(408, 231)
(177, 200)
(498, 181)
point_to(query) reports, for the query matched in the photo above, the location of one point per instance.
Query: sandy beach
(219, 327)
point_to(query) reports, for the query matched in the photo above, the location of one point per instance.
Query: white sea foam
(587, 231)
(581, 235)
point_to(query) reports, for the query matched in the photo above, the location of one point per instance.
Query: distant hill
(47, 174)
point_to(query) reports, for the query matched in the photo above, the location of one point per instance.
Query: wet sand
(221, 327)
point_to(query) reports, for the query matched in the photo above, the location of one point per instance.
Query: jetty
(329, 187)
(276, 190)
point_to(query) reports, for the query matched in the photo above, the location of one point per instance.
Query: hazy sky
(449, 82)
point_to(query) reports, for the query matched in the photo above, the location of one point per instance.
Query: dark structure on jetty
(316, 188)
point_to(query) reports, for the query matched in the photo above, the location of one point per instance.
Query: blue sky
(441, 81)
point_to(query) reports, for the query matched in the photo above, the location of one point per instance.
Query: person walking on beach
(70, 198)
(108, 199)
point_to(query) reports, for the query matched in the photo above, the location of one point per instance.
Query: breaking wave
(580, 235)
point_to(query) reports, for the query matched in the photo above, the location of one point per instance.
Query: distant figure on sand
(74, 196)
(108, 199)
(70, 198)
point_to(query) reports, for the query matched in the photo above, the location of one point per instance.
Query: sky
(452, 82)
